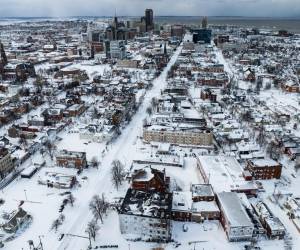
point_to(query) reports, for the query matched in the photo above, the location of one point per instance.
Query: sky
(57, 8)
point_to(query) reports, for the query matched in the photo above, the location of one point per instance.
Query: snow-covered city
(145, 133)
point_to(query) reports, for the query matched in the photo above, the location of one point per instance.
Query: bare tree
(149, 110)
(71, 199)
(94, 162)
(273, 151)
(61, 218)
(50, 147)
(92, 229)
(56, 224)
(99, 207)
(154, 103)
(261, 137)
(117, 173)
(23, 141)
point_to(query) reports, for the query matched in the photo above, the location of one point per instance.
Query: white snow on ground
(98, 182)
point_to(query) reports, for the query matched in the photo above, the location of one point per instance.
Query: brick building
(71, 159)
(263, 169)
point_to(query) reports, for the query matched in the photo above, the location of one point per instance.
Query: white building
(117, 50)
(234, 218)
(146, 216)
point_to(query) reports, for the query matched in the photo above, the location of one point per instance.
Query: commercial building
(202, 192)
(202, 35)
(115, 49)
(234, 218)
(224, 173)
(149, 20)
(177, 31)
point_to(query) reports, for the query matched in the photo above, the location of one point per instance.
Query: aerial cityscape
(151, 126)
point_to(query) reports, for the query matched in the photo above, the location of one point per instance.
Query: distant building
(177, 31)
(115, 49)
(25, 70)
(118, 31)
(234, 218)
(204, 23)
(3, 58)
(149, 19)
(202, 35)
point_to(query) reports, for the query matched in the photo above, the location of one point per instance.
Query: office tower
(204, 23)
(149, 19)
(3, 58)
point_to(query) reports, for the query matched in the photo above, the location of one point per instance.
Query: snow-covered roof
(234, 210)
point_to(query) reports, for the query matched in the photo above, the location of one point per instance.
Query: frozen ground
(98, 182)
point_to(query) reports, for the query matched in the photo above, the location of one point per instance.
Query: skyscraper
(3, 58)
(149, 19)
(204, 23)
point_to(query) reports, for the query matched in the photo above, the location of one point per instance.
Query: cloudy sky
(278, 8)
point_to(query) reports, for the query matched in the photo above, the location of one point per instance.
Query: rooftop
(233, 210)
(148, 204)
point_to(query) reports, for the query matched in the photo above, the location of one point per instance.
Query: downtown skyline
(231, 8)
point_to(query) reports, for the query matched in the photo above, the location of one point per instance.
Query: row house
(273, 226)
(74, 110)
(184, 208)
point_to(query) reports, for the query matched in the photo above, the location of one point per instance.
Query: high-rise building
(177, 31)
(149, 19)
(3, 58)
(202, 35)
(115, 49)
(204, 23)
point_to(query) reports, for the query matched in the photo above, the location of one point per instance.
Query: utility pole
(25, 194)
(90, 246)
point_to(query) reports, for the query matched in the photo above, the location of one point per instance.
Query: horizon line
(159, 16)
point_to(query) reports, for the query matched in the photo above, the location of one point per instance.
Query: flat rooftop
(234, 210)
(224, 173)
(148, 204)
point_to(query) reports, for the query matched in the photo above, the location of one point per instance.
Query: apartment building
(71, 159)
(187, 136)
(6, 163)
(264, 169)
